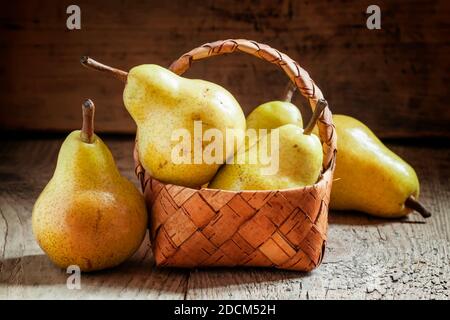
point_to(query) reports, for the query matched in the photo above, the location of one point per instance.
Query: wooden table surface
(366, 258)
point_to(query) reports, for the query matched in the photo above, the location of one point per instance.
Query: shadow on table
(141, 274)
(240, 276)
(357, 218)
(38, 270)
(138, 272)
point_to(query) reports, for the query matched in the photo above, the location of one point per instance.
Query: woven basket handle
(296, 73)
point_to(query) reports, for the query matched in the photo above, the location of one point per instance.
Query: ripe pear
(300, 159)
(369, 177)
(274, 114)
(88, 214)
(162, 104)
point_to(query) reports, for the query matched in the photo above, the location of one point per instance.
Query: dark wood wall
(395, 79)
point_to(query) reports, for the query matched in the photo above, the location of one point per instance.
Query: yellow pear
(369, 177)
(165, 107)
(299, 161)
(274, 114)
(88, 214)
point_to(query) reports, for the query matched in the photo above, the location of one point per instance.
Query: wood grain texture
(394, 79)
(366, 258)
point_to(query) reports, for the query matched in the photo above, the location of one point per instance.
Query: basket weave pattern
(281, 228)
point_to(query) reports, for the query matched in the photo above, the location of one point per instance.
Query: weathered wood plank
(367, 258)
(394, 79)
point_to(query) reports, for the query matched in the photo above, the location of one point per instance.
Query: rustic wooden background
(395, 79)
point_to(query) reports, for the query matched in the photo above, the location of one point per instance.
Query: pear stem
(321, 105)
(87, 130)
(414, 204)
(289, 92)
(95, 65)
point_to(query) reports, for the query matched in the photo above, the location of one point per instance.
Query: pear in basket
(88, 214)
(163, 103)
(299, 154)
(274, 114)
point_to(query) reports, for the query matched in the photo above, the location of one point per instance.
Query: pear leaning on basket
(369, 177)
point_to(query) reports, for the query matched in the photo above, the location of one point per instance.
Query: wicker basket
(281, 228)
